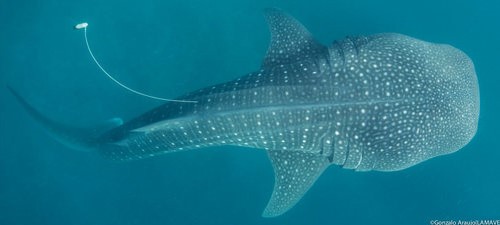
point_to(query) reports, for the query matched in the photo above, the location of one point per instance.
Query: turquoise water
(168, 48)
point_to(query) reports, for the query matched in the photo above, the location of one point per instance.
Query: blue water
(168, 48)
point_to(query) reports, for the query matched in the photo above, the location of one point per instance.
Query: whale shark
(381, 102)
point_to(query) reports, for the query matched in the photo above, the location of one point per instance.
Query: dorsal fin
(294, 173)
(290, 40)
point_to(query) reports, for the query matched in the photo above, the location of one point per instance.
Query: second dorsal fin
(290, 40)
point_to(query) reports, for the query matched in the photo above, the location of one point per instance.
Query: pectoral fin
(295, 172)
(290, 40)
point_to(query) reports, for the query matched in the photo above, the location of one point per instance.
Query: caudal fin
(77, 138)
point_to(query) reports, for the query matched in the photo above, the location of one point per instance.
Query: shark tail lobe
(84, 139)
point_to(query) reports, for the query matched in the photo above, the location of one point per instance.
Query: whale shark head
(406, 101)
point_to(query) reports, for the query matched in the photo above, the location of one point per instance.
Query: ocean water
(167, 48)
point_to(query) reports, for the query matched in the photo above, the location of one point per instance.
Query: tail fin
(76, 138)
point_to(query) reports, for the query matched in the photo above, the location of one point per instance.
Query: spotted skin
(383, 102)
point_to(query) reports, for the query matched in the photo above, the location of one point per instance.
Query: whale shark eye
(84, 26)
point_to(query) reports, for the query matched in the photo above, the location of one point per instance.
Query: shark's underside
(382, 102)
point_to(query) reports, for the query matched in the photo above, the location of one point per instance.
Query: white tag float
(81, 26)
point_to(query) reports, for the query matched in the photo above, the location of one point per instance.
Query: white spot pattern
(382, 102)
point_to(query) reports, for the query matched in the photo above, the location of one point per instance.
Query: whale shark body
(383, 102)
